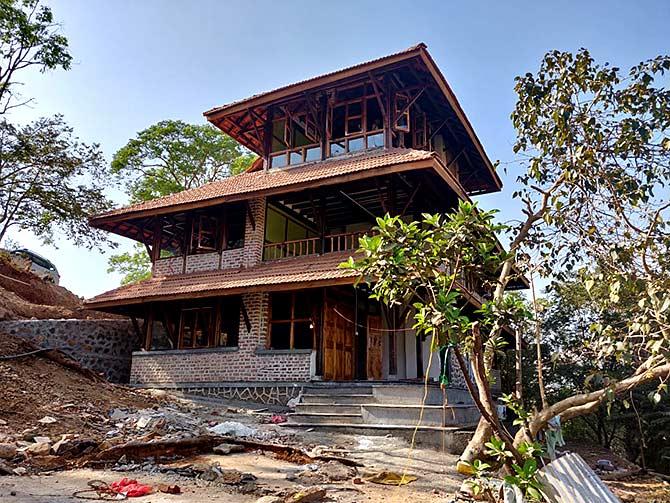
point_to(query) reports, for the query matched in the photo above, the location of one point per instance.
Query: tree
(49, 180)
(596, 153)
(628, 426)
(29, 38)
(166, 158)
(172, 156)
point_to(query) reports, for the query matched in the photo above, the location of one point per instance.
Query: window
(293, 320)
(401, 113)
(419, 131)
(281, 228)
(235, 220)
(356, 123)
(195, 328)
(294, 140)
(172, 236)
(204, 235)
(229, 322)
(215, 324)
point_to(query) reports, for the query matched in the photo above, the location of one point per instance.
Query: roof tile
(319, 269)
(258, 181)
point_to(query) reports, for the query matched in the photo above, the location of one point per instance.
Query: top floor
(397, 101)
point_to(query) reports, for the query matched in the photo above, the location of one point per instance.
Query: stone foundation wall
(272, 393)
(103, 346)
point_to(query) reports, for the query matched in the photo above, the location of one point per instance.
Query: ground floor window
(191, 325)
(294, 318)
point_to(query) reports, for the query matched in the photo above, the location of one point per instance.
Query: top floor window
(294, 140)
(355, 123)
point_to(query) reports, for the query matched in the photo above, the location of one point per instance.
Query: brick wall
(251, 254)
(202, 262)
(249, 362)
(168, 266)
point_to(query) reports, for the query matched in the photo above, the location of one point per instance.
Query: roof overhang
(294, 91)
(267, 188)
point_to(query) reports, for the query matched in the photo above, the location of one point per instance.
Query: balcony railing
(311, 246)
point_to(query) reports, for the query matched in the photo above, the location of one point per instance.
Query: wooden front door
(375, 347)
(338, 340)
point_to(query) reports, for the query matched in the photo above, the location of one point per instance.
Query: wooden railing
(311, 246)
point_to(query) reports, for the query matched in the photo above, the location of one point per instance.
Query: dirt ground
(273, 477)
(23, 295)
(35, 387)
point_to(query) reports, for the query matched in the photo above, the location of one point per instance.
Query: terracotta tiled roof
(317, 270)
(409, 50)
(251, 183)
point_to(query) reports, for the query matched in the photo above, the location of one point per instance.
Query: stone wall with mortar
(103, 346)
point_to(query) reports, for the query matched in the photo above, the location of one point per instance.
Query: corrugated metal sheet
(569, 479)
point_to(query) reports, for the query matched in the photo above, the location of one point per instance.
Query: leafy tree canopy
(172, 156)
(594, 144)
(49, 180)
(166, 158)
(29, 37)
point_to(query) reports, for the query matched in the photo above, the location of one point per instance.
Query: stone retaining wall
(103, 346)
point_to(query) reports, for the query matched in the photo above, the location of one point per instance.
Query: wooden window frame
(348, 136)
(397, 108)
(289, 137)
(291, 321)
(215, 317)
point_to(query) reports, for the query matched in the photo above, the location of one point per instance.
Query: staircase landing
(446, 418)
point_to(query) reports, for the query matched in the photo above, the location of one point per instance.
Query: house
(246, 298)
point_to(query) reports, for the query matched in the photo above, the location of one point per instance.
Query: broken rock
(225, 449)
(47, 420)
(38, 449)
(7, 451)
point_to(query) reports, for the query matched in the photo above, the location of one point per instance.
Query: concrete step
(413, 394)
(338, 389)
(433, 415)
(326, 398)
(337, 408)
(452, 439)
(318, 418)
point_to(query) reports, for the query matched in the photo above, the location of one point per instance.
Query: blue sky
(138, 62)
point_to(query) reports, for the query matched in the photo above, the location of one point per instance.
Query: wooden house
(246, 296)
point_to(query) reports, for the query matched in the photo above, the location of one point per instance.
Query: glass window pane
(304, 304)
(230, 322)
(278, 140)
(374, 119)
(376, 140)
(203, 327)
(354, 125)
(281, 306)
(337, 148)
(337, 128)
(280, 336)
(356, 144)
(278, 161)
(354, 109)
(236, 225)
(186, 327)
(303, 335)
(295, 157)
(313, 154)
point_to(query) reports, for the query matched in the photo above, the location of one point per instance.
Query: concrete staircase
(382, 408)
